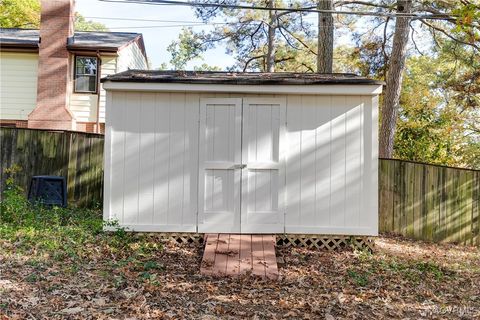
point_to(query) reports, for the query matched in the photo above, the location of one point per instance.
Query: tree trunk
(395, 71)
(325, 37)
(271, 38)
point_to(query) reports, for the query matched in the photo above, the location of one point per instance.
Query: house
(49, 78)
(217, 152)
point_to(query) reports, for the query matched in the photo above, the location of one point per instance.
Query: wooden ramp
(235, 254)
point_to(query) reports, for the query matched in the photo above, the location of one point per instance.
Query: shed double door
(241, 165)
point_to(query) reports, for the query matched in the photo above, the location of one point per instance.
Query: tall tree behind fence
(429, 202)
(74, 155)
(417, 200)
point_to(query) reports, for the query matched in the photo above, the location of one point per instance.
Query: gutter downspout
(99, 74)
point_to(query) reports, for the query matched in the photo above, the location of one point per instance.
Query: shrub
(13, 207)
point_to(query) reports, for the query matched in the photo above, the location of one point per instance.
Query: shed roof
(240, 78)
(81, 40)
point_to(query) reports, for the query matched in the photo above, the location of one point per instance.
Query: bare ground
(402, 280)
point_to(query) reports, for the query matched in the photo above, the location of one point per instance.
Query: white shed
(242, 152)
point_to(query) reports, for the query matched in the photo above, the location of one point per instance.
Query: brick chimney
(56, 27)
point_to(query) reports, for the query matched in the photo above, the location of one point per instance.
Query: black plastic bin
(48, 190)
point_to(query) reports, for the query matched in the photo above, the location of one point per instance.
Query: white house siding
(18, 84)
(131, 57)
(84, 105)
(152, 161)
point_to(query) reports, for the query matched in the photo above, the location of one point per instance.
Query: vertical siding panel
(294, 160)
(322, 160)
(132, 158)
(353, 164)
(147, 158)
(369, 198)
(177, 158)
(162, 155)
(338, 163)
(308, 167)
(363, 198)
(191, 166)
(117, 149)
(107, 200)
(371, 176)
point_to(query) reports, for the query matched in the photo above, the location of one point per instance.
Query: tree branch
(299, 40)
(250, 60)
(363, 3)
(449, 35)
(385, 56)
(413, 39)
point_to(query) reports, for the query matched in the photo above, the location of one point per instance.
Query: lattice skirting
(182, 238)
(326, 242)
(323, 242)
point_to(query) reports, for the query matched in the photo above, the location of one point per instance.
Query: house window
(86, 74)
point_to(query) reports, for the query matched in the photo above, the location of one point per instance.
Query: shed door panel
(220, 159)
(263, 176)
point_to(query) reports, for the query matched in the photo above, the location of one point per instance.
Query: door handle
(239, 166)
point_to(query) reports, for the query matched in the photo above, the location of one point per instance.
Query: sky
(156, 39)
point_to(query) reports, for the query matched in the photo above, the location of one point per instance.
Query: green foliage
(439, 115)
(151, 265)
(361, 279)
(20, 14)
(63, 234)
(424, 128)
(13, 206)
(188, 47)
(430, 268)
(81, 24)
(206, 67)
(26, 14)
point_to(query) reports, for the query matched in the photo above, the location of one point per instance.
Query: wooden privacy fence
(74, 155)
(417, 200)
(429, 202)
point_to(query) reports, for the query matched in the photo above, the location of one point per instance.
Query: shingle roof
(81, 39)
(247, 78)
(103, 39)
(19, 36)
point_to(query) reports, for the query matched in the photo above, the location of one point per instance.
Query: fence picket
(430, 202)
(42, 152)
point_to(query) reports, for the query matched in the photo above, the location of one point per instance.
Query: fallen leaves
(429, 281)
(70, 311)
